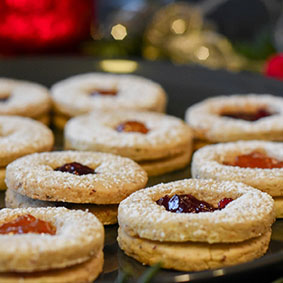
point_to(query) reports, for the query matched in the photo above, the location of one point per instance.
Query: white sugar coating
(25, 98)
(249, 215)
(208, 164)
(167, 135)
(79, 235)
(20, 136)
(116, 177)
(206, 120)
(72, 96)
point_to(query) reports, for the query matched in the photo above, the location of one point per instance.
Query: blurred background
(236, 35)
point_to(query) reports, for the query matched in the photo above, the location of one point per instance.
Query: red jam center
(132, 126)
(256, 160)
(260, 113)
(75, 168)
(27, 224)
(107, 92)
(189, 204)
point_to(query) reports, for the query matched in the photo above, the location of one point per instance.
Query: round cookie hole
(187, 203)
(248, 115)
(132, 126)
(75, 168)
(103, 92)
(4, 97)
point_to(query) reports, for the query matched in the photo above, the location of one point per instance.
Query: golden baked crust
(2, 179)
(85, 272)
(71, 96)
(278, 204)
(243, 218)
(25, 98)
(192, 256)
(208, 161)
(204, 117)
(79, 236)
(21, 136)
(168, 136)
(116, 178)
(106, 214)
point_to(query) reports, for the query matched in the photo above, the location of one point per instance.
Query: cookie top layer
(208, 164)
(206, 120)
(114, 179)
(23, 98)
(79, 236)
(73, 97)
(249, 215)
(96, 131)
(20, 136)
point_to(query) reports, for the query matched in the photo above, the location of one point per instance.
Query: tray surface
(185, 86)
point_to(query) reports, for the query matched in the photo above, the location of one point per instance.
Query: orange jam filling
(107, 92)
(254, 116)
(27, 224)
(132, 126)
(256, 160)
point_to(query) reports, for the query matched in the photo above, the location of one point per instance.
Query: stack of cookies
(193, 225)
(50, 245)
(92, 181)
(159, 143)
(96, 91)
(23, 98)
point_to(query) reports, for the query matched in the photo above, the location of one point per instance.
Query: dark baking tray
(185, 85)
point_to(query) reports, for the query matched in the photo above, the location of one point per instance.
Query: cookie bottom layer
(191, 256)
(2, 179)
(278, 204)
(106, 214)
(166, 165)
(60, 120)
(84, 272)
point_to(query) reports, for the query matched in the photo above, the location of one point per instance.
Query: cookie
(24, 98)
(113, 178)
(192, 256)
(76, 237)
(94, 91)
(20, 136)
(237, 117)
(158, 142)
(193, 225)
(106, 214)
(85, 272)
(249, 215)
(216, 162)
(278, 203)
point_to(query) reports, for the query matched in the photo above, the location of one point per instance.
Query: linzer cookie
(255, 163)
(23, 98)
(95, 91)
(236, 117)
(20, 136)
(78, 180)
(64, 245)
(193, 225)
(158, 142)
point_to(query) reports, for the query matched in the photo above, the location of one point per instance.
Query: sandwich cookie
(23, 98)
(93, 181)
(255, 163)
(20, 136)
(193, 225)
(159, 143)
(95, 91)
(50, 245)
(236, 117)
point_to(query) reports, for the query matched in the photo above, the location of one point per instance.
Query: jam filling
(27, 224)
(4, 98)
(256, 160)
(75, 168)
(107, 92)
(259, 114)
(189, 204)
(132, 126)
